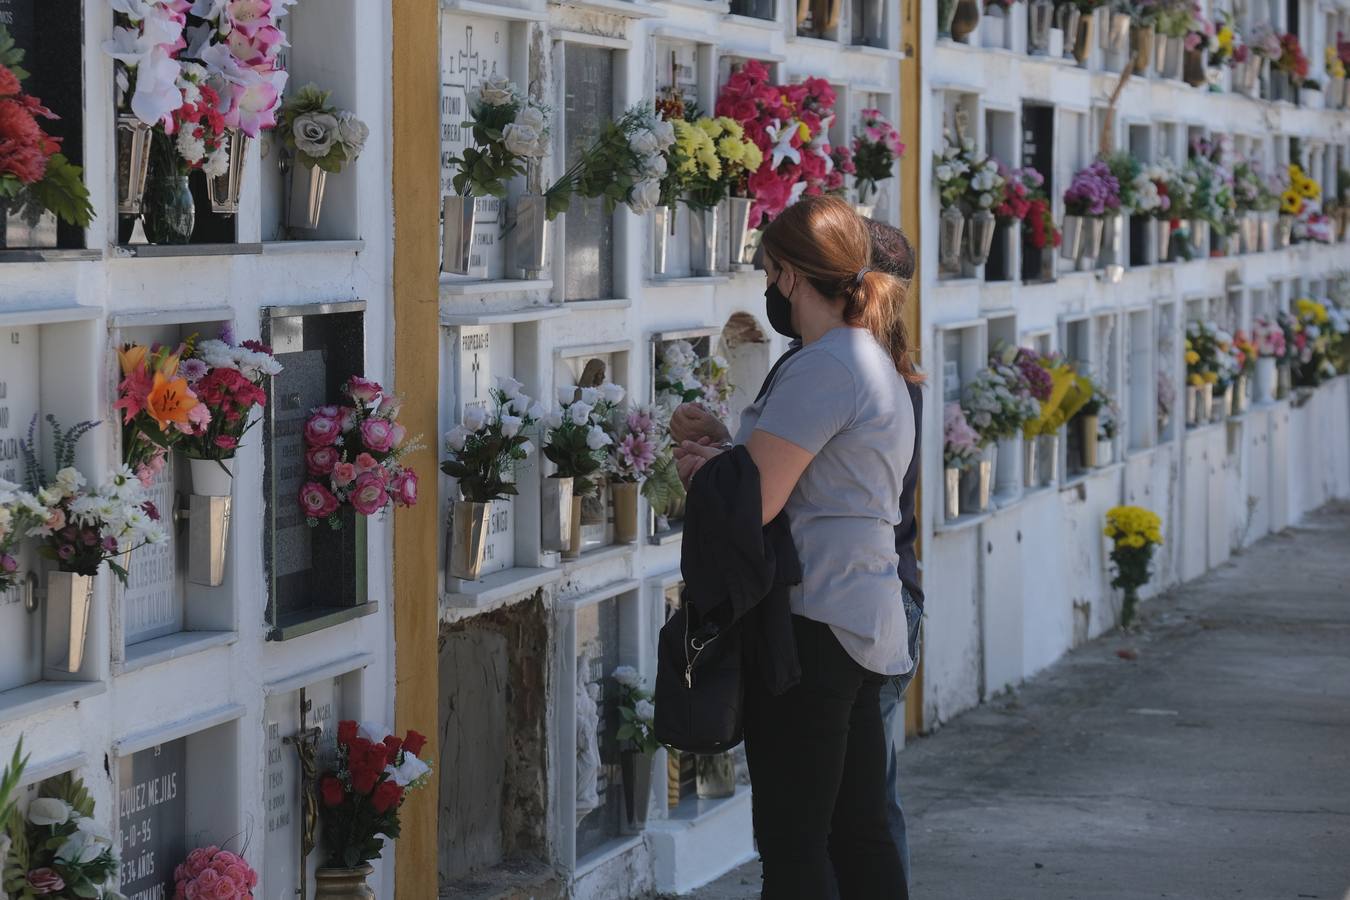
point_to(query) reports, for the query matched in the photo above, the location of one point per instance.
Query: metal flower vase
(223, 190)
(1031, 476)
(1116, 37)
(529, 236)
(458, 217)
(715, 776)
(209, 519)
(1164, 234)
(1066, 20)
(306, 198)
(1192, 405)
(665, 219)
(966, 20)
(1007, 478)
(1082, 40)
(946, 10)
(1040, 19)
(1284, 231)
(344, 884)
(977, 482)
(557, 514)
(1194, 69)
(951, 483)
(952, 229)
(1249, 232)
(1094, 229)
(1071, 243)
(1206, 411)
(1162, 46)
(70, 599)
(624, 496)
(1247, 76)
(1173, 59)
(468, 538)
(637, 790)
(573, 548)
(1284, 381)
(981, 233)
(705, 226)
(1240, 394)
(1141, 47)
(133, 163)
(740, 248)
(1088, 440)
(1199, 232)
(1049, 457)
(1223, 404)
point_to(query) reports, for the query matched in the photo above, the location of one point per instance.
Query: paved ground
(1216, 765)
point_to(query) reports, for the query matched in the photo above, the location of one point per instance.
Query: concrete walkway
(1215, 765)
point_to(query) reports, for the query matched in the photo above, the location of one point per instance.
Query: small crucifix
(306, 743)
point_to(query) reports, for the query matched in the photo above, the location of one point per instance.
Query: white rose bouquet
(509, 132)
(636, 731)
(625, 165)
(320, 134)
(485, 448)
(577, 441)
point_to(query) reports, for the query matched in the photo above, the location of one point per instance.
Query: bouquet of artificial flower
(952, 171)
(576, 439)
(1251, 189)
(363, 793)
(639, 438)
(1134, 532)
(960, 443)
(684, 377)
(1024, 200)
(1094, 192)
(227, 380)
(998, 402)
(21, 515)
(624, 165)
(636, 732)
(318, 133)
(57, 848)
(354, 455)
(1213, 200)
(86, 528)
(737, 156)
(510, 131)
(1268, 338)
(1243, 350)
(159, 407)
(484, 450)
(692, 163)
(875, 151)
(1202, 354)
(34, 174)
(210, 872)
(1292, 60)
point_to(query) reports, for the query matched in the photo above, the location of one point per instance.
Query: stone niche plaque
(152, 819)
(20, 630)
(283, 806)
(588, 231)
(599, 792)
(472, 48)
(152, 601)
(317, 575)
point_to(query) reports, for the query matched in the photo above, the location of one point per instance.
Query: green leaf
(63, 192)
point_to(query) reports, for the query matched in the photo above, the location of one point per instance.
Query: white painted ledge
(170, 647)
(41, 696)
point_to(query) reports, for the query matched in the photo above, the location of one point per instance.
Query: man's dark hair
(891, 250)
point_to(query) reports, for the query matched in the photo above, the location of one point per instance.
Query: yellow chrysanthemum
(711, 127)
(1196, 380)
(1210, 377)
(731, 149)
(1225, 38)
(1291, 203)
(1110, 531)
(731, 127)
(1192, 357)
(753, 158)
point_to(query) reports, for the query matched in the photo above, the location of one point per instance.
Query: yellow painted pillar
(416, 261)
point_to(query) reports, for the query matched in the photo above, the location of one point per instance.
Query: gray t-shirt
(841, 399)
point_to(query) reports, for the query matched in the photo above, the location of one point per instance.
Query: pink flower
(377, 435)
(45, 881)
(405, 488)
(398, 434)
(330, 411)
(199, 417)
(344, 473)
(347, 419)
(362, 390)
(226, 442)
(366, 463)
(321, 431)
(317, 501)
(321, 460)
(369, 496)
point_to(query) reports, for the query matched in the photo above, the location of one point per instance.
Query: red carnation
(9, 84)
(413, 743)
(331, 789)
(386, 797)
(346, 732)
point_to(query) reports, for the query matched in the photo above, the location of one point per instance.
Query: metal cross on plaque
(306, 743)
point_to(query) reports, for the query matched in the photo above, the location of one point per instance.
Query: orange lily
(170, 401)
(132, 357)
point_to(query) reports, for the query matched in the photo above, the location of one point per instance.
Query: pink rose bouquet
(875, 149)
(210, 873)
(354, 454)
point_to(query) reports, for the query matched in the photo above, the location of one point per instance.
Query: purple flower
(193, 370)
(227, 333)
(8, 564)
(66, 551)
(1094, 191)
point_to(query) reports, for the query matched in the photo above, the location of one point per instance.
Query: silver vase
(1206, 413)
(1162, 44)
(1249, 233)
(1284, 231)
(1192, 405)
(636, 769)
(1040, 19)
(707, 240)
(468, 536)
(740, 247)
(1031, 476)
(951, 483)
(952, 228)
(1088, 440)
(1071, 242)
(977, 482)
(223, 190)
(208, 539)
(133, 163)
(981, 234)
(1164, 233)
(1199, 234)
(458, 217)
(556, 515)
(70, 598)
(1115, 37)
(529, 236)
(1141, 47)
(1238, 393)
(1049, 458)
(665, 219)
(307, 187)
(1066, 20)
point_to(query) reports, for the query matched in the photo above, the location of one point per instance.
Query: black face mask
(780, 312)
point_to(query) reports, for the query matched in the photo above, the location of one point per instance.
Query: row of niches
(179, 801)
(1212, 46)
(1026, 410)
(857, 23)
(234, 128)
(713, 146)
(588, 465)
(1032, 194)
(209, 430)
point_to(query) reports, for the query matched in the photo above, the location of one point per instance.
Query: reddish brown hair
(828, 244)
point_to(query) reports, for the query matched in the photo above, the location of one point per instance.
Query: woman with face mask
(832, 438)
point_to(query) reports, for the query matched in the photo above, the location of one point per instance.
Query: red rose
(386, 797)
(331, 789)
(363, 779)
(377, 756)
(346, 732)
(413, 743)
(394, 744)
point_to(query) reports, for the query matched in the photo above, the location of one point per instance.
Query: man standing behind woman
(834, 436)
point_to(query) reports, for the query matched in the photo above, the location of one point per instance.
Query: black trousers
(817, 757)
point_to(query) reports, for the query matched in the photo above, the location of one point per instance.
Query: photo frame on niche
(316, 574)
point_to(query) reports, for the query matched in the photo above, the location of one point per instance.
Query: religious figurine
(588, 738)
